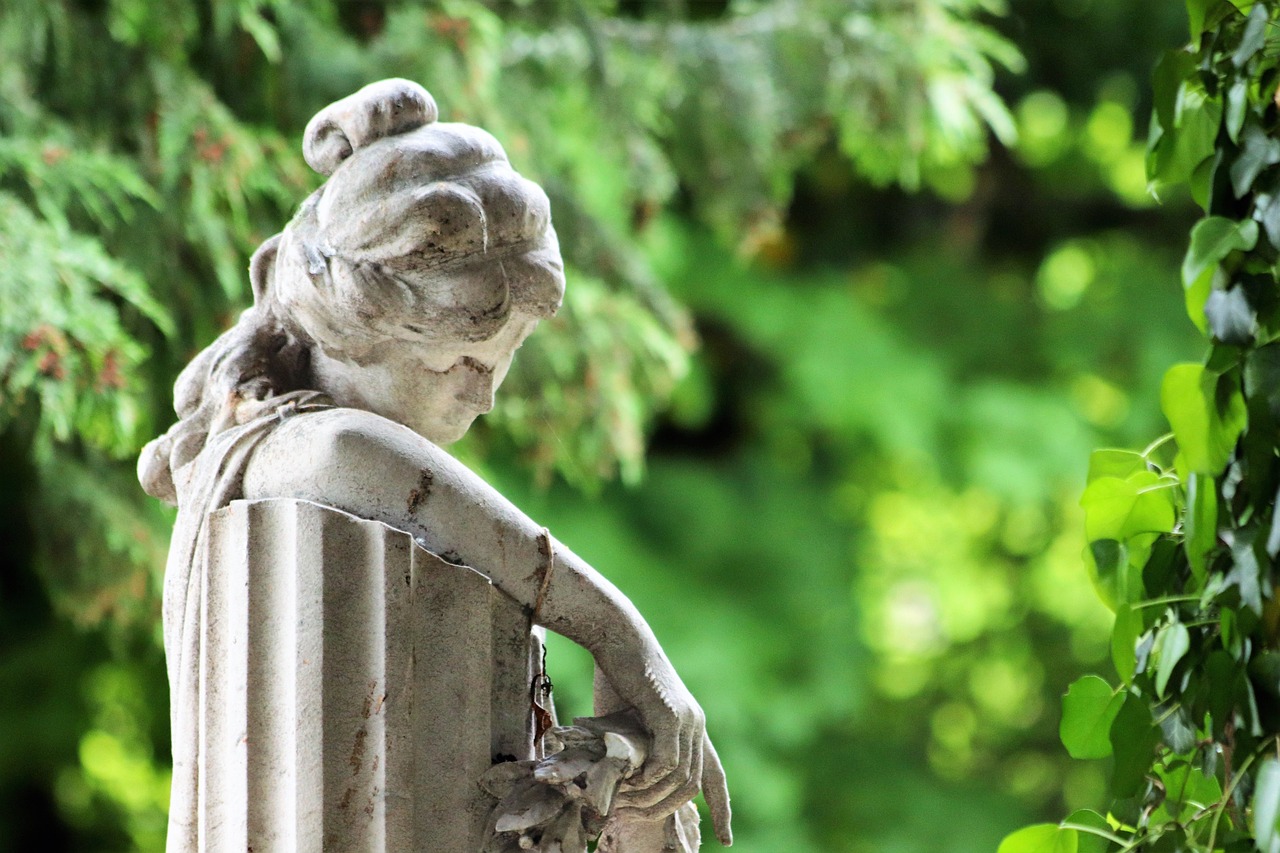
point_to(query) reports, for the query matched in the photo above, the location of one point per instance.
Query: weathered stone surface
(340, 680)
(354, 686)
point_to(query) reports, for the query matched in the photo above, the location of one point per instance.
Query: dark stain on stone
(421, 492)
(357, 751)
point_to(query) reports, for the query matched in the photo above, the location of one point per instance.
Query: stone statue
(329, 556)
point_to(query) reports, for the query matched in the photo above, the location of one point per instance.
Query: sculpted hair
(423, 233)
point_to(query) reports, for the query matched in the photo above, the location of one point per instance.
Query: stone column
(354, 687)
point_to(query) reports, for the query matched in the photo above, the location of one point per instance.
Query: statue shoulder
(326, 456)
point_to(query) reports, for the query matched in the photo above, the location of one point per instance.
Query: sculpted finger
(680, 796)
(651, 788)
(715, 790)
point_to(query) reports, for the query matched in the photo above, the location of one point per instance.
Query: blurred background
(854, 289)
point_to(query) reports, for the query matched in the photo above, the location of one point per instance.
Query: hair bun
(381, 109)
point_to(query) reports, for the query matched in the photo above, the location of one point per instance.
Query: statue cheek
(475, 391)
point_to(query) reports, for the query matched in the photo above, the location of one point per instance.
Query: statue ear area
(385, 108)
(260, 268)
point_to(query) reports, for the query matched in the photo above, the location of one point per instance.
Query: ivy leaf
(1206, 431)
(1124, 640)
(1223, 680)
(1230, 318)
(1212, 239)
(1173, 67)
(1112, 571)
(1196, 11)
(1255, 35)
(1088, 710)
(1266, 210)
(1258, 152)
(1088, 842)
(1262, 376)
(1273, 538)
(1246, 570)
(1205, 14)
(1117, 509)
(1189, 141)
(1041, 838)
(1237, 101)
(1173, 641)
(1109, 462)
(1176, 728)
(1201, 526)
(1266, 806)
(1133, 742)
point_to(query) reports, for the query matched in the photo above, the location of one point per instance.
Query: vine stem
(1093, 830)
(1226, 795)
(1168, 599)
(1155, 445)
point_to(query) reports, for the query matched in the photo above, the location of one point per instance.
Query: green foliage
(1184, 546)
(146, 149)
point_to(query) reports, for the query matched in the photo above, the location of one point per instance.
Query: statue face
(436, 392)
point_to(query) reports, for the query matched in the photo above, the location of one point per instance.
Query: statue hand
(681, 760)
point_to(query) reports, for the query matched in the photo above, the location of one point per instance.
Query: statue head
(402, 286)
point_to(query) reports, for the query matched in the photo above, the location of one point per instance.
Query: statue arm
(373, 468)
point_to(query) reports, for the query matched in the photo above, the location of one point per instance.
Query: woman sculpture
(386, 314)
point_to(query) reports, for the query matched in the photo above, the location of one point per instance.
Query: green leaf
(1179, 148)
(1206, 429)
(1230, 318)
(1117, 509)
(1166, 80)
(1273, 537)
(1266, 806)
(1186, 784)
(1201, 526)
(1133, 742)
(1041, 838)
(1196, 294)
(1246, 568)
(1262, 376)
(1110, 569)
(1088, 710)
(1088, 841)
(1173, 641)
(1124, 640)
(1255, 35)
(1237, 102)
(1212, 239)
(1109, 462)
(1259, 151)
(1197, 11)
(1176, 729)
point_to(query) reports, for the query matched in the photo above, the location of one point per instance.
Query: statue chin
(442, 432)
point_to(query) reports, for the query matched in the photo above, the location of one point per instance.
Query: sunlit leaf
(1124, 640)
(1088, 710)
(1201, 525)
(1266, 806)
(1089, 842)
(1173, 641)
(1118, 508)
(1041, 838)
(1205, 423)
(1109, 462)
(1212, 239)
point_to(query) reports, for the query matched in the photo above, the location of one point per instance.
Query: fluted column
(354, 687)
